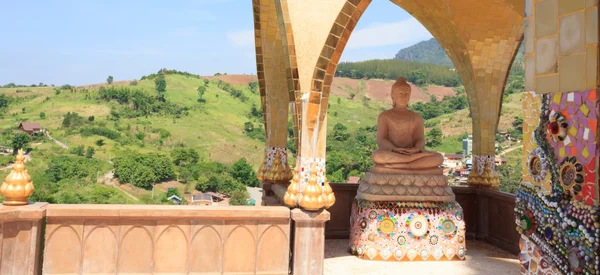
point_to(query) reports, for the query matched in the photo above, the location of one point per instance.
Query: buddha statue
(401, 138)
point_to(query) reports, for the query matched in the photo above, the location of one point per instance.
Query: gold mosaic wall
(272, 79)
(561, 45)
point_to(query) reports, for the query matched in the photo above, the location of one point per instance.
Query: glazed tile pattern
(579, 108)
(400, 231)
(531, 120)
(559, 221)
(305, 166)
(532, 261)
(561, 45)
(272, 152)
(565, 232)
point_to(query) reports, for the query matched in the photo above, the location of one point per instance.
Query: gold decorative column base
(291, 196)
(312, 195)
(275, 167)
(17, 186)
(483, 172)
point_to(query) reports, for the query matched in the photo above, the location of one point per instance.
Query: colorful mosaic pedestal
(407, 231)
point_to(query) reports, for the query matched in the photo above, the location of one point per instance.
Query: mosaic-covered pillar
(557, 204)
(270, 59)
(305, 27)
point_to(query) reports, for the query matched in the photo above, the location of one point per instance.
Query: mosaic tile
(399, 231)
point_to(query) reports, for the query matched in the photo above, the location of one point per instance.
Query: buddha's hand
(406, 151)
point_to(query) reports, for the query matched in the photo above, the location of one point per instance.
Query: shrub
(72, 167)
(100, 142)
(240, 197)
(42, 115)
(72, 120)
(90, 152)
(243, 172)
(184, 157)
(77, 150)
(100, 131)
(91, 118)
(143, 170)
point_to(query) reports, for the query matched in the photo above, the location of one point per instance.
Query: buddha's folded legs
(414, 161)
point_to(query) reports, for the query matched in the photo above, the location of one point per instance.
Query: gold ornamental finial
(262, 169)
(291, 195)
(311, 195)
(17, 186)
(328, 194)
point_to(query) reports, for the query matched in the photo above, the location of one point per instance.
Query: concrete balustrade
(20, 238)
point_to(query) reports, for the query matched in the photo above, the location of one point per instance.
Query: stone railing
(144, 239)
(21, 230)
(489, 214)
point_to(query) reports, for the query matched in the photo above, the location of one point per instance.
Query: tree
(253, 86)
(109, 79)
(184, 157)
(4, 100)
(173, 191)
(160, 85)
(100, 142)
(77, 150)
(201, 90)
(434, 137)
(239, 197)
(90, 152)
(42, 115)
(205, 82)
(243, 172)
(20, 141)
(91, 118)
(510, 176)
(340, 133)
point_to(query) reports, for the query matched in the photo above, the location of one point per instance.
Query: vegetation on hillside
(428, 51)
(206, 134)
(415, 72)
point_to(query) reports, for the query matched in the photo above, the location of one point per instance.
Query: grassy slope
(213, 128)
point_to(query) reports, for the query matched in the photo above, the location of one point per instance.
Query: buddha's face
(400, 95)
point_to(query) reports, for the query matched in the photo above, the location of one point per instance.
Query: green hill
(129, 124)
(415, 72)
(428, 51)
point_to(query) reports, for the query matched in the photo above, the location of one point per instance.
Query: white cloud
(408, 31)
(242, 38)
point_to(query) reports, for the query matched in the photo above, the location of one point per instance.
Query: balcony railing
(44, 238)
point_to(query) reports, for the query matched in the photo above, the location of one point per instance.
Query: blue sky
(83, 41)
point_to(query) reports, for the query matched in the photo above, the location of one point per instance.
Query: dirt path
(107, 179)
(510, 150)
(57, 142)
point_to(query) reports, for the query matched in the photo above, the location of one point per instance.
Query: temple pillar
(309, 241)
(270, 58)
(306, 31)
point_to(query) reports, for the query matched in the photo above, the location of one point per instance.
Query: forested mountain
(415, 72)
(428, 51)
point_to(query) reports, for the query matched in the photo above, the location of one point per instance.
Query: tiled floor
(482, 259)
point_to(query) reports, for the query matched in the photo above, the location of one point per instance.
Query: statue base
(407, 231)
(405, 187)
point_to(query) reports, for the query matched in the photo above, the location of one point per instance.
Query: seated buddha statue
(401, 138)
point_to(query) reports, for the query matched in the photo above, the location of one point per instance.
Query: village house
(30, 127)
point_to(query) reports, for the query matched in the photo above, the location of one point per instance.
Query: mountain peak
(428, 51)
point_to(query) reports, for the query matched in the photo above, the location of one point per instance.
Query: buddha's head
(400, 93)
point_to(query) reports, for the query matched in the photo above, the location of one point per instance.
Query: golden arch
(480, 37)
